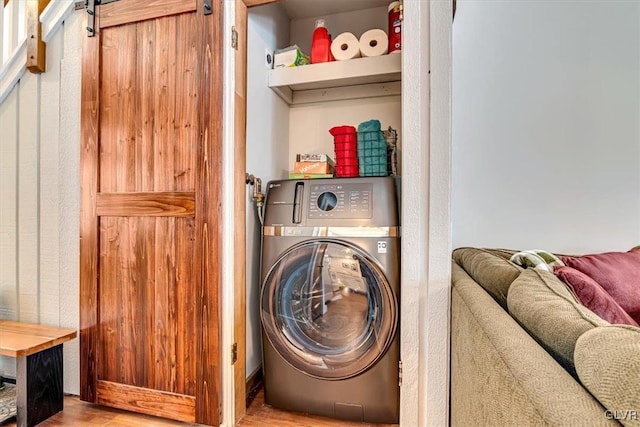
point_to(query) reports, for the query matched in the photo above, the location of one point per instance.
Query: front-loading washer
(329, 297)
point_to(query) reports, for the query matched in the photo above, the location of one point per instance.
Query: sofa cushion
(494, 273)
(592, 296)
(500, 376)
(545, 308)
(608, 365)
(502, 253)
(618, 273)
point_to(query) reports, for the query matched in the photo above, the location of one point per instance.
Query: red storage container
(345, 143)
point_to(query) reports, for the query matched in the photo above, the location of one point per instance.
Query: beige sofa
(525, 352)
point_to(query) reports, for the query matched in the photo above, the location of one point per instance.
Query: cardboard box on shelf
(314, 163)
(310, 175)
(315, 158)
(312, 167)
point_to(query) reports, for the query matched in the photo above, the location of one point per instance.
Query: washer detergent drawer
(285, 203)
(327, 309)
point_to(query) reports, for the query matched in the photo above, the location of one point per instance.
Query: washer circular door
(327, 309)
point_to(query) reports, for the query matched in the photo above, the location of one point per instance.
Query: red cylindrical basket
(345, 143)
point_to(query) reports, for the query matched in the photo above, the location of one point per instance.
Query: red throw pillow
(618, 273)
(592, 296)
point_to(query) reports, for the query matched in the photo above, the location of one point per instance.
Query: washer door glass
(327, 309)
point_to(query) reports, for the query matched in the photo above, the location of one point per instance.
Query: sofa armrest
(608, 365)
(500, 376)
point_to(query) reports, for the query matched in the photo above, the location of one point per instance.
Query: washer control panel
(340, 200)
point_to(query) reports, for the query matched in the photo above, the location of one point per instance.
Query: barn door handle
(207, 7)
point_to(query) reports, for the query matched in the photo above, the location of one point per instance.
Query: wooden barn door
(150, 216)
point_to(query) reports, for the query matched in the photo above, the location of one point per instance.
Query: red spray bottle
(321, 44)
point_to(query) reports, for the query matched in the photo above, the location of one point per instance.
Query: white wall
(546, 140)
(267, 148)
(39, 196)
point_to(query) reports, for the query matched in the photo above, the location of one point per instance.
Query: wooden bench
(38, 353)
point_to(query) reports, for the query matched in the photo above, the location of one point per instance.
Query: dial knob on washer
(327, 201)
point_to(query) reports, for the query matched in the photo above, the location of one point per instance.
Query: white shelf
(301, 84)
(297, 9)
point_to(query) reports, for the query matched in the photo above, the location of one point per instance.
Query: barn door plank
(112, 14)
(89, 126)
(208, 221)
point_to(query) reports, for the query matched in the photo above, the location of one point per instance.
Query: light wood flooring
(81, 414)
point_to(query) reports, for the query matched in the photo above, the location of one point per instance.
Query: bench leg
(39, 392)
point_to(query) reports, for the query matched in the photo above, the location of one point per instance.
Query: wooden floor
(81, 414)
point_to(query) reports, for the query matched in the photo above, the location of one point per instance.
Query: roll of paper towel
(374, 43)
(345, 46)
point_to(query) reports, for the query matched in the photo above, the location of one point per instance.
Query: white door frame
(228, 212)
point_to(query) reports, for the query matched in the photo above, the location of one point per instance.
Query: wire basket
(391, 136)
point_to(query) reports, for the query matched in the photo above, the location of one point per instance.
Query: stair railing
(25, 27)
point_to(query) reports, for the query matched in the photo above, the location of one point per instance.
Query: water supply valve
(256, 183)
